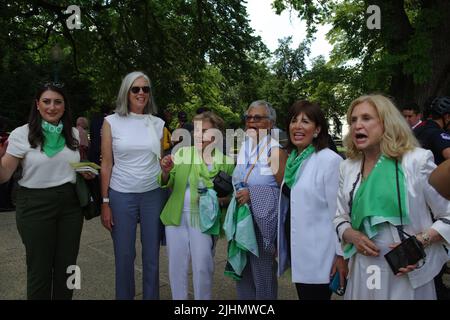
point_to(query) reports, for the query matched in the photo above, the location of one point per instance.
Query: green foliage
(406, 58)
(173, 41)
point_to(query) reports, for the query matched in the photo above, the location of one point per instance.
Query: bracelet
(426, 239)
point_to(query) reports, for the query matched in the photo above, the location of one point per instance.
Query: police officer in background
(432, 133)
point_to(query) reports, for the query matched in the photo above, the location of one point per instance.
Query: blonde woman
(383, 165)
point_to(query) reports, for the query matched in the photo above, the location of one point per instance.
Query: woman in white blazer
(306, 235)
(383, 189)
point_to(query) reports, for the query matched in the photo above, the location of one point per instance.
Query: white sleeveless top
(136, 147)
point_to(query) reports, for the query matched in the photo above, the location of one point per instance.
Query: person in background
(48, 213)
(432, 134)
(167, 136)
(132, 141)
(440, 179)
(181, 215)
(412, 114)
(5, 188)
(95, 129)
(82, 126)
(383, 192)
(306, 235)
(183, 122)
(260, 165)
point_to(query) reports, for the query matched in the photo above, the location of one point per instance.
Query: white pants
(184, 242)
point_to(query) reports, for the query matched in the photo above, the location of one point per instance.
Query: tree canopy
(204, 53)
(406, 58)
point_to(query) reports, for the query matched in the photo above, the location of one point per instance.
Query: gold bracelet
(426, 239)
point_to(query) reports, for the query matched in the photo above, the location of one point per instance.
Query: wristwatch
(105, 200)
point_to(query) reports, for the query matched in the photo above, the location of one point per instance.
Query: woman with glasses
(48, 213)
(260, 167)
(307, 240)
(131, 149)
(384, 197)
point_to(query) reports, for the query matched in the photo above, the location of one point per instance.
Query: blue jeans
(129, 209)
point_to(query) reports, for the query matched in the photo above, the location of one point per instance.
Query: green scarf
(376, 200)
(293, 164)
(54, 141)
(200, 170)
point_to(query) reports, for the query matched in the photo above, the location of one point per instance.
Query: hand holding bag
(88, 192)
(223, 184)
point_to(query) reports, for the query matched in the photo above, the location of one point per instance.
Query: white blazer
(417, 166)
(314, 243)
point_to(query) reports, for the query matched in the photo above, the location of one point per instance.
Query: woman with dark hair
(48, 213)
(307, 240)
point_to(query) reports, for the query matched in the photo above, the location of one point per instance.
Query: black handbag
(410, 251)
(223, 184)
(88, 192)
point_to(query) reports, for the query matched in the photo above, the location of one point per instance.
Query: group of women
(311, 210)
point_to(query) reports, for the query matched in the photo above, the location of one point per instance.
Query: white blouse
(135, 144)
(39, 170)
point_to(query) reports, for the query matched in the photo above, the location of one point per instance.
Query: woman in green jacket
(192, 169)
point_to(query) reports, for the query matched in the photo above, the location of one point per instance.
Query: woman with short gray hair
(131, 149)
(257, 178)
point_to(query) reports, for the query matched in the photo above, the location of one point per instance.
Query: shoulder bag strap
(257, 158)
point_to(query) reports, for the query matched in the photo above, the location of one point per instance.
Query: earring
(315, 135)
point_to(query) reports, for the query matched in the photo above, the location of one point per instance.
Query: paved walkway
(96, 261)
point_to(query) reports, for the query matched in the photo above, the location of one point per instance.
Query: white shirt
(39, 170)
(314, 243)
(135, 144)
(417, 166)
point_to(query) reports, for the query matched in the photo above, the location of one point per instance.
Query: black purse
(223, 184)
(410, 251)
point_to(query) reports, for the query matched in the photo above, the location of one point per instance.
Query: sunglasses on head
(135, 90)
(58, 85)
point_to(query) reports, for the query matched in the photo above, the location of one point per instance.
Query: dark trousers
(442, 292)
(306, 291)
(5, 195)
(49, 222)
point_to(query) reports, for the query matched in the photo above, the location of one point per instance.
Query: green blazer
(178, 178)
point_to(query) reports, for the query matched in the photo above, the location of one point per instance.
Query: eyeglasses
(256, 118)
(136, 90)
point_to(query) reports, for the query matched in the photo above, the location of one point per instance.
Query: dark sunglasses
(256, 118)
(136, 90)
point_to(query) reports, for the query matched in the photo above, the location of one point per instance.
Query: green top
(189, 165)
(376, 200)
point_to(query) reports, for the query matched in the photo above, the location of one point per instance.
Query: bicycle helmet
(441, 105)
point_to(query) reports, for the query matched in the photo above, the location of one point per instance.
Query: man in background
(412, 114)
